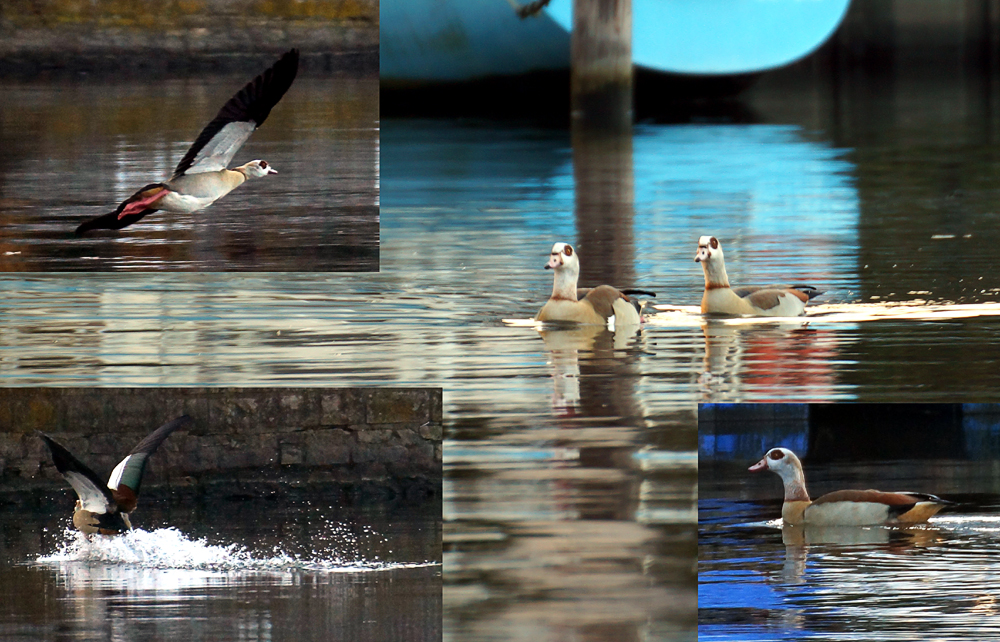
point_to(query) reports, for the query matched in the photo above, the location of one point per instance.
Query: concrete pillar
(601, 51)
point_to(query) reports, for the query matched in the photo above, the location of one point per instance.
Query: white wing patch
(116, 474)
(91, 497)
(217, 153)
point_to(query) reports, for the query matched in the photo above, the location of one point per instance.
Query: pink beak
(760, 465)
(553, 263)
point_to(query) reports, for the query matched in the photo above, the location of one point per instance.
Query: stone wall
(164, 34)
(241, 439)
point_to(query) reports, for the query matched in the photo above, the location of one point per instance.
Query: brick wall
(387, 437)
(161, 34)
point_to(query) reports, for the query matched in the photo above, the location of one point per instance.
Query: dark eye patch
(568, 250)
(715, 243)
(776, 454)
(263, 164)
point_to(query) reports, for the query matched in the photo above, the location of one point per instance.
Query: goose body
(844, 507)
(590, 306)
(202, 177)
(104, 509)
(720, 298)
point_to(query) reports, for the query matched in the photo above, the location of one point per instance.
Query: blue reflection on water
(760, 188)
(736, 589)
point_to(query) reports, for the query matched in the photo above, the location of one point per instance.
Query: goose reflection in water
(797, 540)
(575, 349)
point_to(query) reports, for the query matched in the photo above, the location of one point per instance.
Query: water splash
(169, 548)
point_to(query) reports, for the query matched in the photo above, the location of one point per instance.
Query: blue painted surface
(723, 36)
(451, 40)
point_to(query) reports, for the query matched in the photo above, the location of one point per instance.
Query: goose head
(566, 264)
(563, 257)
(708, 248)
(712, 262)
(258, 169)
(786, 465)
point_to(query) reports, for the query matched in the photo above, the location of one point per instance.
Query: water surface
(569, 456)
(74, 149)
(309, 570)
(762, 580)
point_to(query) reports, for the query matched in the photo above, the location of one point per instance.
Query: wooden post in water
(601, 59)
(601, 134)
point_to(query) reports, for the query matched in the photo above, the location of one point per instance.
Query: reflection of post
(604, 194)
(601, 50)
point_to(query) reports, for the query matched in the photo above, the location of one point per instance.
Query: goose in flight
(104, 509)
(202, 177)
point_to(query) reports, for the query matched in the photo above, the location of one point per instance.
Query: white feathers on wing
(218, 152)
(91, 497)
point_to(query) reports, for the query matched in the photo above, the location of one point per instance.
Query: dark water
(75, 149)
(311, 570)
(759, 580)
(570, 485)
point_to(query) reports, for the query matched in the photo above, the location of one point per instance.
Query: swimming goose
(585, 305)
(104, 509)
(844, 507)
(202, 177)
(769, 301)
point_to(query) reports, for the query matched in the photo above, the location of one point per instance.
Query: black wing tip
(808, 290)
(895, 510)
(152, 441)
(109, 221)
(49, 441)
(262, 93)
(935, 499)
(61, 456)
(174, 424)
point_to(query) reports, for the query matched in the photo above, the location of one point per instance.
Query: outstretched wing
(236, 121)
(127, 475)
(111, 220)
(93, 495)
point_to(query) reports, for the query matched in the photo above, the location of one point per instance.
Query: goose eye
(776, 454)
(568, 250)
(715, 243)
(263, 164)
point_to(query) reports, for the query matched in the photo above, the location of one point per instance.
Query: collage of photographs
(563, 320)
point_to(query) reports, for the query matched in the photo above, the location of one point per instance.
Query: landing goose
(585, 305)
(202, 177)
(104, 509)
(844, 507)
(769, 301)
